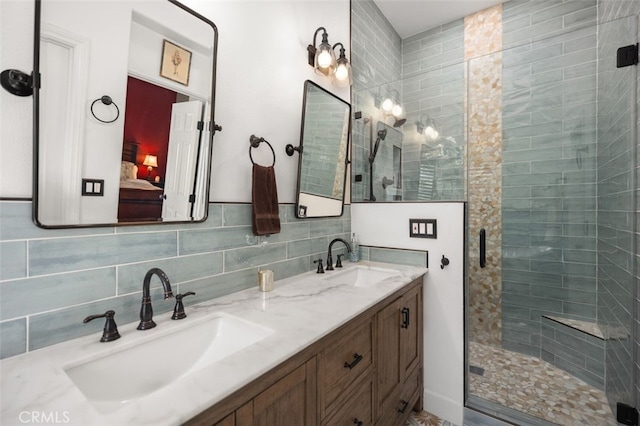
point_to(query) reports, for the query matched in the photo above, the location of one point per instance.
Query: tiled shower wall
(433, 86)
(549, 173)
(617, 212)
(52, 279)
(377, 66)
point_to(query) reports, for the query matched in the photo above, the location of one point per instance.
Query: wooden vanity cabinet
(367, 372)
(399, 352)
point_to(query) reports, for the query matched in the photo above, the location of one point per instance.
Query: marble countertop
(299, 311)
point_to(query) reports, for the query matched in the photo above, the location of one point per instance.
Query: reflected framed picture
(176, 63)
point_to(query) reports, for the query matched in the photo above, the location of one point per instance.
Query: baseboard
(445, 408)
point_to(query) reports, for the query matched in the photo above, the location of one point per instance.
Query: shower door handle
(483, 248)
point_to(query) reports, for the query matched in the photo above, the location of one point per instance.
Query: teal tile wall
(418, 258)
(574, 351)
(433, 85)
(376, 58)
(52, 279)
(549, 166)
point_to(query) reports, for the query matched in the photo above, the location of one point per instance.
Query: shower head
(399, 122)
(381, 135)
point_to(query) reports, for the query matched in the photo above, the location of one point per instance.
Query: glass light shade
(431, 133)
(387, 105)
(325, 60)
(342, 77)
(396, 110)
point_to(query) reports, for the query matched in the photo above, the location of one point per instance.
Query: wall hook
(290, 149)
(17, 82)
(443, 262)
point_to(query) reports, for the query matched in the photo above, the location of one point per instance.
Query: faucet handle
(178, 310)
(110, 331)
(320, 268)
(339, 261)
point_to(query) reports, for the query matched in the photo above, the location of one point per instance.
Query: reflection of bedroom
(146, 122)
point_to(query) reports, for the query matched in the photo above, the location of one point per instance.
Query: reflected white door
(181, 160)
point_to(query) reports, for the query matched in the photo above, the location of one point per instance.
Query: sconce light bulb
(387, 105)
(324, 59)
(396, 110)
(431, 133)
(342, 72)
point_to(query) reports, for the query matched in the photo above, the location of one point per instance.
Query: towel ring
(107, 101)
(254, 142)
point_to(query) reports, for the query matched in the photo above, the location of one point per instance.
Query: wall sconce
(426, 126)
(322, 58)
(391, 105)
(150, 161)
(342, 77)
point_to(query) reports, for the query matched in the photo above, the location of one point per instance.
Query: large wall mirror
(326, 126)
(124, 113)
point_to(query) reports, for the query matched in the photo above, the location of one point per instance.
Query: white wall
(262, 66)
(387, 225)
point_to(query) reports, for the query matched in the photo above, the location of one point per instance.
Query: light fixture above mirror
(323, 59)
(426, 126)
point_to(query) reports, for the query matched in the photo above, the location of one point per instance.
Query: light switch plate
(93, 187)
(423, 228)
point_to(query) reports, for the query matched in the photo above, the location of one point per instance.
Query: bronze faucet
(329, 266)
(146, 311)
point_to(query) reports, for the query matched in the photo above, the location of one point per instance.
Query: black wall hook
(290, 149)
(17, 82)
(444, 262)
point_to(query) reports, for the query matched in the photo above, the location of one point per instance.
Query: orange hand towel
(264, 195)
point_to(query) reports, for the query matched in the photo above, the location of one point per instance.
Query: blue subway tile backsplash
(52, 279)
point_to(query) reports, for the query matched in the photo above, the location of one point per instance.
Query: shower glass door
(551, 161)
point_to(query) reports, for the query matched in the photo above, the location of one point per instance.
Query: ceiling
(410, 17)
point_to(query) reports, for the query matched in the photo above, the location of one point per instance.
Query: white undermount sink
(132, 373)
(361, 276)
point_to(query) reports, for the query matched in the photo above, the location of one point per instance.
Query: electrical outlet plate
(423, 228)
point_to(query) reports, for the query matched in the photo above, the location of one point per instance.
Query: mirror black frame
(300, 149)
(35, 77)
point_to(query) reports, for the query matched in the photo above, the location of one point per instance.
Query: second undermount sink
(113, 380)
(362, 276)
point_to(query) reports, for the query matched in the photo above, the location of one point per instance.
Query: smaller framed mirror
(324, 145)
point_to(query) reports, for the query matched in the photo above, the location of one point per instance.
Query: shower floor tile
(537, 388)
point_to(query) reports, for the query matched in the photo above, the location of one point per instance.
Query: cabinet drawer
(358, 409)
(397, 408)
(341, 363)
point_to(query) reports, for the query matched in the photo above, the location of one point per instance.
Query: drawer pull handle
(356, 359)
(404, 406)
(357, 422)
(405, 318)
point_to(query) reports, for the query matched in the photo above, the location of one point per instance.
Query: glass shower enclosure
(552, 229)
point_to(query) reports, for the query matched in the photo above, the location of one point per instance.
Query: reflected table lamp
(150, 161)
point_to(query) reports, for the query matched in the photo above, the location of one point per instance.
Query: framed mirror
(123, 112)
(324, 143)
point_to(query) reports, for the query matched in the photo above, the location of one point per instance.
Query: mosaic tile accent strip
(535, 387)
(483, 45)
